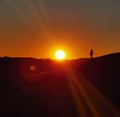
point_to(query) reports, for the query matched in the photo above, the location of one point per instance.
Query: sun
(60, 55)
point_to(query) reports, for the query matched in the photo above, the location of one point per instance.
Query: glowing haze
(36, 28)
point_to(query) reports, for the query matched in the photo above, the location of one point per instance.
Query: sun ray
(78, 102)
(86, 97)
(35, 14)
(93, 98)
(43, 12)
(93, 92)
(19, 13)
(96, 95)
(72, 77)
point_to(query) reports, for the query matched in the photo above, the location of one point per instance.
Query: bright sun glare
(60, 55)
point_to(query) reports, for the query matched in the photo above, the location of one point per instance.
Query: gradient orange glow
(35, 29)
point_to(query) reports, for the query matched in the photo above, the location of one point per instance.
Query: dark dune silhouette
(38, 87)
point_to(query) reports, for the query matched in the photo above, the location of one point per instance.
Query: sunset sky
(36, 28)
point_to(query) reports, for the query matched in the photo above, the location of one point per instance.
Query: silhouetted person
(91, 53)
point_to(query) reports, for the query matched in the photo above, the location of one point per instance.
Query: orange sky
(29, 31)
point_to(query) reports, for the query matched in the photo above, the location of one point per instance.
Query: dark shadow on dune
(36, 87)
